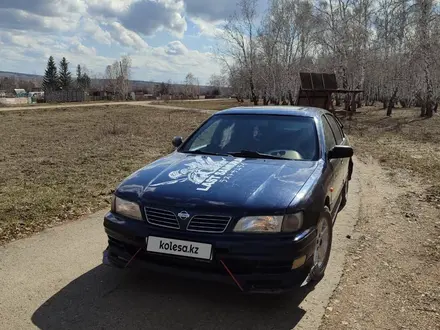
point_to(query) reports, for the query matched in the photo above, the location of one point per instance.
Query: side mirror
(340, 152)
(177, 141)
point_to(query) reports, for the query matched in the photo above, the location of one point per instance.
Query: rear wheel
(323, 244)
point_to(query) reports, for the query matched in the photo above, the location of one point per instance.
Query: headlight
(126, 208)
(270, 224)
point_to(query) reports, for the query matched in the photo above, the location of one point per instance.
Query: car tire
(319, 263)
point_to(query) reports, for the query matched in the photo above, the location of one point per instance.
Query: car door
(343, 162)
(334, 164)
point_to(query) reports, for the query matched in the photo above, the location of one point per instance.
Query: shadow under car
(106, 298)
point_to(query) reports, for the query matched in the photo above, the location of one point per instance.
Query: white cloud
(126, 37)
(77, 47)
(148, 16)
(108, 8)
(20, 52)
(159, 65)
(176, 48)
(97, 32)
(143, 16)
(17, 19)
(94, 30)
(20, 49)
(207, 28)
(46, 7)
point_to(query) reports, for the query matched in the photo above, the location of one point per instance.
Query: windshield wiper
(200, 152)
(254, 154)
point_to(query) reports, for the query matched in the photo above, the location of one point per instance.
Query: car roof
(275, 110)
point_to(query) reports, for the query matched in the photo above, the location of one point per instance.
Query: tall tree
(82, 79)
(118, 75)
(78, 74)
(239, 43)
(65, 76)
(192, 88)
(50, 80)
(424, 19)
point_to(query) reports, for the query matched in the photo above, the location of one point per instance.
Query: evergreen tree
(82, 80)
(65, 75)
(50, 80)
(78, 75)
(86, 81)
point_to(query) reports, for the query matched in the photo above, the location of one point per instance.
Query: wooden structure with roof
(317, 88)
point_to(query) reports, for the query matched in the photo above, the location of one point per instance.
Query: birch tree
(239, 44)
(117, 76)
(384, 47)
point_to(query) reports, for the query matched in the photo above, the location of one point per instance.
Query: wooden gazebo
(317, 88)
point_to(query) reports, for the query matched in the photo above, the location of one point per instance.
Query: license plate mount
(170, 246)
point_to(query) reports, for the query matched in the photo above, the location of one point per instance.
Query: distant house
(19, 92)
(2, 93)
(36, 94)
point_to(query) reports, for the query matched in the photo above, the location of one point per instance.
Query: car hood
(186, 180)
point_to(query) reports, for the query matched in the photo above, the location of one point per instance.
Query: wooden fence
(66, 96)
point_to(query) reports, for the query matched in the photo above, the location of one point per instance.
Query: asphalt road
(55, 280)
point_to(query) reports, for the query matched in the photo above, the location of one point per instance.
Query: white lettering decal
(204, 172)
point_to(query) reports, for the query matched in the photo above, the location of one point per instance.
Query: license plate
(179, 248)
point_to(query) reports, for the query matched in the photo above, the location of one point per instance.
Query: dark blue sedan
(249, 198)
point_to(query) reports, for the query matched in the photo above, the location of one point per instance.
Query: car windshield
(256, 136)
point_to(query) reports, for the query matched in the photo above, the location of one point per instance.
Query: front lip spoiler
(109, 260)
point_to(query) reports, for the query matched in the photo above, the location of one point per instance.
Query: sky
(166, 39)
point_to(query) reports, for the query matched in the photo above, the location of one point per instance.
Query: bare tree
(238, 44)
(424, 19)
(192, 86)
(217, 83)
(384, 47)
(117, 76)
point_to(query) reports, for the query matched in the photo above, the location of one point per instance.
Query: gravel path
(98, 104)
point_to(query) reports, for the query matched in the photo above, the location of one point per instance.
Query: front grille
(162, 218)
(208, 223)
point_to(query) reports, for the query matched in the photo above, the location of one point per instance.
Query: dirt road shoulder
(391, 278)
(55, 280)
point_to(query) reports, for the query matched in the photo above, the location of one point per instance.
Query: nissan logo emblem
(183, 215)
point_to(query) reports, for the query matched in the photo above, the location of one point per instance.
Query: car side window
(339, 135)
(330, 141)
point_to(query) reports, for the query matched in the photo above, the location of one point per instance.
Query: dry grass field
(207, 104)
(404, 141)
(59, 164)
(56, 165)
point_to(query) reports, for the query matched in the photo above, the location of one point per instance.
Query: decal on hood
(204, 172)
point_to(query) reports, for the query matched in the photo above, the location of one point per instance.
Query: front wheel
(323, 245)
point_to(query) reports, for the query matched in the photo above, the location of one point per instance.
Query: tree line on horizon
(56, 79)
(115, 80)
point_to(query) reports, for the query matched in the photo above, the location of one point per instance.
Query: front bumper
(258, 263)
